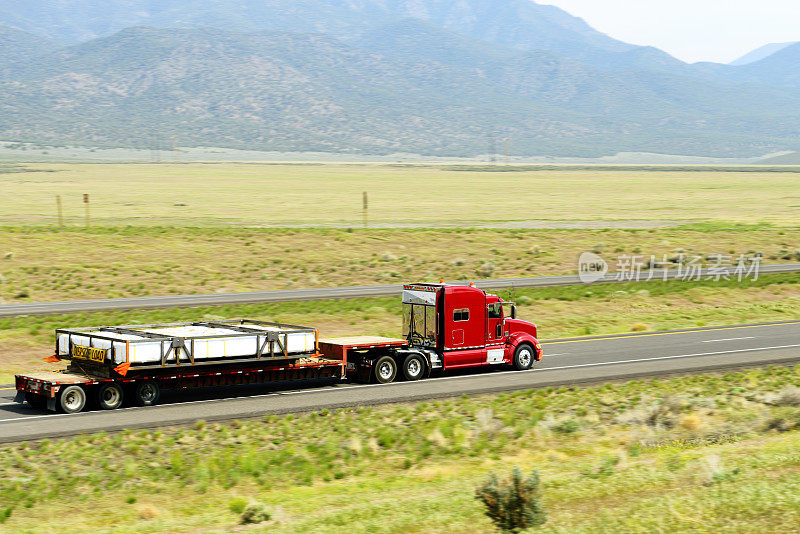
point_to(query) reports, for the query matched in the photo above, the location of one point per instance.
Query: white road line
(727, 339)
(401, 384)
(598, 364)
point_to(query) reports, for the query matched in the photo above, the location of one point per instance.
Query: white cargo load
(187, 343)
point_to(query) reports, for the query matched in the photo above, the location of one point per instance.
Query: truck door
(494, 326)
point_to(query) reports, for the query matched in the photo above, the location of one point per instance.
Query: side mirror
(513, 311)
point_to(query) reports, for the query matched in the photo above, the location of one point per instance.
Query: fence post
(365, 210)
(86, 203)
(60, 212)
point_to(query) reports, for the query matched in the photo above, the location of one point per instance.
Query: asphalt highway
(217, 299)
(566, 361)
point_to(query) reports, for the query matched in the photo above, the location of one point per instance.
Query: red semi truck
(444, 327)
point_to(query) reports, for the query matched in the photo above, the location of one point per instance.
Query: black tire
(72, 399)
(147, 393)
(414, 367)
(385, 370)
(110, 396)
(523, 357)
(38, 402)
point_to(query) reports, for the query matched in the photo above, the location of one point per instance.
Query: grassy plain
(706, 453)
(559, 312)
(428, 195)
(48, 264)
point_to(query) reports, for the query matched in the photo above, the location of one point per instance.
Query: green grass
(714, 452)
(281, 195)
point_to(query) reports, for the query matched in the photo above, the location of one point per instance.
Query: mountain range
(434, 77)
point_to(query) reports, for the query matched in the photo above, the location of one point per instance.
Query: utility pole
(364, 208)
(60, 213)
(86, 203)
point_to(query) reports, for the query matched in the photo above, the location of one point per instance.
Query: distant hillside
(407, 87)
(521, 24)
(760, 53)
(781, 68)
(17, 45)
(435, 77)
(75, 21)
(792, 158)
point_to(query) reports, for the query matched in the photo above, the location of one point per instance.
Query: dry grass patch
(47, 264)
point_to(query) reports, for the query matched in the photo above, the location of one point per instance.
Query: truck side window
(495, 311)
(461, 315)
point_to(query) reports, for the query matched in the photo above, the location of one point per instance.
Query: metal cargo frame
(265, 349)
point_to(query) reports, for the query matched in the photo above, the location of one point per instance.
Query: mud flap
(19, 397)
(539, 351)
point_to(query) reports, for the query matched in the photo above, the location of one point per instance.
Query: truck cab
(463, 326)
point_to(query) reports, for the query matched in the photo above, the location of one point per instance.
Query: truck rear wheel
(110, 396)
(72, 399)
(147, 393)
(413, 367)
(385, 369)
(523, 357)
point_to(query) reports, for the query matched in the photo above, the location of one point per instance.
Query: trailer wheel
(147, 393)
(385, 369)
(38, 402)
(72, 399)
(523, 357)
(110, 396)
(413, 367)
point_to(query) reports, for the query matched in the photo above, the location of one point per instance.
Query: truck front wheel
(72, 399)
(523, 357)
(147, 393)
(385, 369)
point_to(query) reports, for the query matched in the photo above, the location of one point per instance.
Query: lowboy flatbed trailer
(70, 391)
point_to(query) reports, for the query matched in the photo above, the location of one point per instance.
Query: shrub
(691, 422)
(789, 396)
(486, 270)
(5, 514)
(567, 426)
(148, 511)
(255, 512)
(237, 505)
(512, 504)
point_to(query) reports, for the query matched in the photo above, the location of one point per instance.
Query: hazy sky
(692, 30)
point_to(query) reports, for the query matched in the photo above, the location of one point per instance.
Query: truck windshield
(419, 323)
